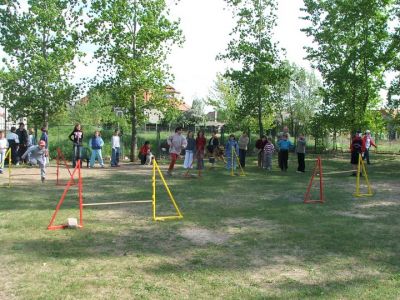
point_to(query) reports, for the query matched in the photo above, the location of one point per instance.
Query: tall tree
(133, 39)
(351, 42)
(253, 50)
(41, 44)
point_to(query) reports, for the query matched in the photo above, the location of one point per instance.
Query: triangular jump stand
(317, 171)
(171, 197)
(61, 159)
(8, 155)
(234, 155)
(77, 171)
(361, 167)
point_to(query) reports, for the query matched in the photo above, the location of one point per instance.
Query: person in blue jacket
(284, 147)
(232, 143)
(96, 143)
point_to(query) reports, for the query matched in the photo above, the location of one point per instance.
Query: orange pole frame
(60, 202)
(60, 155)
(318, 166)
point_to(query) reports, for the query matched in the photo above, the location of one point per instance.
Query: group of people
(360, 146)
(235, 150)
(24, 149)
(195, 149)
(96, 144)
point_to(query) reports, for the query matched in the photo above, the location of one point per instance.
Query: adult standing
(115, 146)
(76, 137)
(13, 142)
(301, 152)
(284, 147)
(23, 141)
(368, 142)
(176, 143)
(243, 143)
(45, 137)
(260, 144)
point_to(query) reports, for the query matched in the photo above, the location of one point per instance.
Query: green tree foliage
(133, 39)
(351, 52)
(299, 99)
(252, 49)
(41, 45)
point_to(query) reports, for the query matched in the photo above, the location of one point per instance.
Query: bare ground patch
(201, 236)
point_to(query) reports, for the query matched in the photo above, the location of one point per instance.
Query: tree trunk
(45, 116)
(134, 130)
(260, 124)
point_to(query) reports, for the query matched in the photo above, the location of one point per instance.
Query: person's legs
(280, 160)
(42, 166)
(113, 157)
(268, 161)
(259, 161)
(93, 157)
(186, 163)
(143, 159)
(366, 155)
(285, 158)
(100, 158)
(300, 159)
(2, 156)
(117, 154)
(74, 155)
(242, 157)
(174, 157)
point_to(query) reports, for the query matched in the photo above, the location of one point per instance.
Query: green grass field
(241, 237)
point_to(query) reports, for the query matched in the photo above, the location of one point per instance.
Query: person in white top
(115, 146)
(13, 142)
(176, 143)
(3, 150)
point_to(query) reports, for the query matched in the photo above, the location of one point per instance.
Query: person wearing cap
(368, 142)
(37, 156)
(357, 147)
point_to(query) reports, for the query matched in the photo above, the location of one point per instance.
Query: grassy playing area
(241, 237)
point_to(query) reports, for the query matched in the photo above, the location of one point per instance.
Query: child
(284, 146)
(231, 146)
(96, 143)
(189, 152)
(145, 153)
(76, 137)
(269, 149)
(176, 143)
(212, 148)
(301, 152)
(368, 142)
(37, 155)
(357, 147)
(45, 137)
(200, 146)
(3, 150)
(115, 145)
(32, 138)
(260, 144)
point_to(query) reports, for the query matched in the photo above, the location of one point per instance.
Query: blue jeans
(96, 153)
(76, 154)
(115, 156)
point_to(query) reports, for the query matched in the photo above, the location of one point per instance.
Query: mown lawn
(241, 237)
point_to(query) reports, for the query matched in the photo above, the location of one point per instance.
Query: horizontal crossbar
(120, 202)
(363, 195)
(167, 218)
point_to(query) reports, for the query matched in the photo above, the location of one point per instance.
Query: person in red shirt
(200, 149)
(144, 152)
(368, 142)
(357, 147)
(260, 144)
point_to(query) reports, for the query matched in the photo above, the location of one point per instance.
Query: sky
(206, 25)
